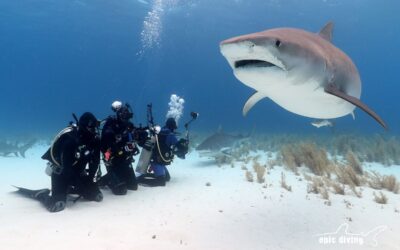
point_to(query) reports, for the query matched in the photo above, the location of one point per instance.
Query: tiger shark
(302, 72)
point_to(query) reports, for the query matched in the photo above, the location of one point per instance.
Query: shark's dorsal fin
(333, 90)
(257, 96)
(326, 32)
(219, 129)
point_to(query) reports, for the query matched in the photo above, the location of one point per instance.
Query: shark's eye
(278, 43)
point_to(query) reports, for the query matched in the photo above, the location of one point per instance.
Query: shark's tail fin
(25, 147)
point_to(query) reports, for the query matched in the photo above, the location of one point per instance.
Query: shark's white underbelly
(306, 98)
(310, 100)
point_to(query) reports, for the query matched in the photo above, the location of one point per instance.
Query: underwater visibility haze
(273, 179)
(59, 57)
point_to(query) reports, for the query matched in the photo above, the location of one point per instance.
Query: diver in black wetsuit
(166, 147)
(118, 148)
(74, 148)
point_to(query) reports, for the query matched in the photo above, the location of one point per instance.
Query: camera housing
(194, 115)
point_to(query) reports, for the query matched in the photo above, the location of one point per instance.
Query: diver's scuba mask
(88, 125)
(92, 127)
(125, 113)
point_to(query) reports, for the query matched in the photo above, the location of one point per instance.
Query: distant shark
(322, 123)
(302, 72)
(7, 149)
(221, 140)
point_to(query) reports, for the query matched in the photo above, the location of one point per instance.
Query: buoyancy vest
(53, 154)
(163, 154)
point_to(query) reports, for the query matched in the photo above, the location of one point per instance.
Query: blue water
(64, 56)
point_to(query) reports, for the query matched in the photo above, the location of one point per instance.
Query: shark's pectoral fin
(256, 97)
(333, 90)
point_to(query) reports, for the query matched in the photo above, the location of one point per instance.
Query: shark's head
(274, 56)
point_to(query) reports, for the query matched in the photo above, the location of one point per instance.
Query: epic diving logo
(342, 237)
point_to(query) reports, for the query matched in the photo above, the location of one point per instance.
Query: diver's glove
(107, 157)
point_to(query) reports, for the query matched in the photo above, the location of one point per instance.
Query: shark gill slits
(253, 63)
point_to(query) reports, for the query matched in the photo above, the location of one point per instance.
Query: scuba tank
(147, 150)
(52, 154)
(145, 155)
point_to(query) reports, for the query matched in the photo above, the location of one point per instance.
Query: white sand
(231, 213)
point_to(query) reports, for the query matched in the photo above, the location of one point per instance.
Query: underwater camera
(194, 115)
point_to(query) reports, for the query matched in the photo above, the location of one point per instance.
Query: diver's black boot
(104, 181)
(117, 186)
(152, 181)
(98, 197)
(160, 181)
(131, 182)
(92, 193)
(55, 206)
(167, 175)
(132, 186)
(119, 189)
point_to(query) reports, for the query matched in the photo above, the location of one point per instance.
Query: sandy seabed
(203, 207)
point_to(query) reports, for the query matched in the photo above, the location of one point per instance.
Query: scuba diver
(166, 147)
(73, 149)
(118, 147)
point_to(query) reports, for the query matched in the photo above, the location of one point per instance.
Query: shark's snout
(238, 49)
(231, 41)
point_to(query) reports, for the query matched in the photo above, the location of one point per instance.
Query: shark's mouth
(253, 64)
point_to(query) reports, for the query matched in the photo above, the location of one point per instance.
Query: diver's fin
(333, 90)
(257, 96)
(32, 193)
(326, 32)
